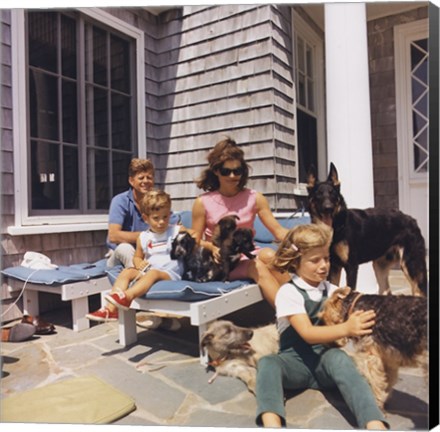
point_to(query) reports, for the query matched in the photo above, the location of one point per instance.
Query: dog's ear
(341, 293)
(206, 339)
(333, 175)
(311, 177)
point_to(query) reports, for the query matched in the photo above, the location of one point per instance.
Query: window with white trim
(80, 102)
(309, 81)
(419, 104)
(79, 115)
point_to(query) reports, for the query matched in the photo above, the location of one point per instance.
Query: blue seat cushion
(63, 274)
(184, 290)
(264, 238)
(191, 291)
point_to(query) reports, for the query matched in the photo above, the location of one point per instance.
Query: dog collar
(353, 304)
(217, 362)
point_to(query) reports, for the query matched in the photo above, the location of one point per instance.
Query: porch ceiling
(374, 10)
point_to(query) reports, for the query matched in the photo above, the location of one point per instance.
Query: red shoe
(119, 299)
(102, 315)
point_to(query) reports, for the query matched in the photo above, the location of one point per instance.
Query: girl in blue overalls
(304, 361)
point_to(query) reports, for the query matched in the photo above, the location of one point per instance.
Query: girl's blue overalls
(300, 365)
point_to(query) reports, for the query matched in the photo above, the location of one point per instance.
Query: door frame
(404, 34)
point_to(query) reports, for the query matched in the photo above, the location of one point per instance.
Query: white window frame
(403, 35)
(304, 30)
(24, 223)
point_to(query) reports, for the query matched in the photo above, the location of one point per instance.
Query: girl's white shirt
(289, 301)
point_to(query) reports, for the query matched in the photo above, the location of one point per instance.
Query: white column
(348, 110)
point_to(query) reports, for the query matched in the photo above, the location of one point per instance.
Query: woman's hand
(360, 323)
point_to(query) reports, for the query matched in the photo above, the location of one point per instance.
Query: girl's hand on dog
(360, 323)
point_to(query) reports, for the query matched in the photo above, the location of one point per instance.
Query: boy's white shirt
(289, 301)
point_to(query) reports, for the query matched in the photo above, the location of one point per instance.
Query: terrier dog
(234, 351)
(384, 236)
(233, 242)
(198, 262)
(399, 337)
(222, 237)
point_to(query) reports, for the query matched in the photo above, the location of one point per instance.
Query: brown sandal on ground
(41, 327)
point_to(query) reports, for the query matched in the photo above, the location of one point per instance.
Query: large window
(80, 92)
(308, 53)
(79, 115)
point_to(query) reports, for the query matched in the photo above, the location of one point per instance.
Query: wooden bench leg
(127, 327)
(31, 304)
(80, 308)
(203, 354)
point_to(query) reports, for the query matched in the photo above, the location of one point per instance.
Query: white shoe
(171, 324)
(148, 321)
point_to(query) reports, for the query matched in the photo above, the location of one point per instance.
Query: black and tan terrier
(399, 337)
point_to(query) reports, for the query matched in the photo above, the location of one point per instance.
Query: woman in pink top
(224, 182)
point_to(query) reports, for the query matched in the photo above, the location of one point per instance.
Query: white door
(411, 57)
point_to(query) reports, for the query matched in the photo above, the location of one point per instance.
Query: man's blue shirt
(123, 211)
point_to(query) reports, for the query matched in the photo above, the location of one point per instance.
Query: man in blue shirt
(125, 218)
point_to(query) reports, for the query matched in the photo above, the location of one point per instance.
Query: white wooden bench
(200, 313)
(77, 292)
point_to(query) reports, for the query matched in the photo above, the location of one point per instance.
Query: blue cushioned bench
(202, 303)
(73, 283)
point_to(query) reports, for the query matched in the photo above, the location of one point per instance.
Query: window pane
(121, 119)
(45, 176)
(419, 50)
(71, 177)
(98, 179)
(43, 104)
(43, 40)
(120, 170)
(97, 118)
(310, 96)
(68, 46)
(99, 56)
(307, 143)
(422, 105)
(301, 55)
(70, 112)
(309, 59)
(120, 64)
(302, 90)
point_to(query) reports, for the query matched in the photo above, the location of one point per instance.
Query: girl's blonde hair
(297, 242)
(154, 200)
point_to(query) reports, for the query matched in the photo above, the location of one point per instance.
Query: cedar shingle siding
(212, 71)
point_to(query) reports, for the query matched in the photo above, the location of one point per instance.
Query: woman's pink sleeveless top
(217, 205)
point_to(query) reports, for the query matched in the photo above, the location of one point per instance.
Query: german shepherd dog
(384, 236)
(399, 338)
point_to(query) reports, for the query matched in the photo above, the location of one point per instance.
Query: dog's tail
(413, 258)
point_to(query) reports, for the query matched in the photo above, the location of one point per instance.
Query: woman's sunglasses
(227, 171)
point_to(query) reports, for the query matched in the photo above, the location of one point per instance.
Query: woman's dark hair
(223, 151)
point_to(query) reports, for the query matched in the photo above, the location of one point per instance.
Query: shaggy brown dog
(399, 336)
(234, 351)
